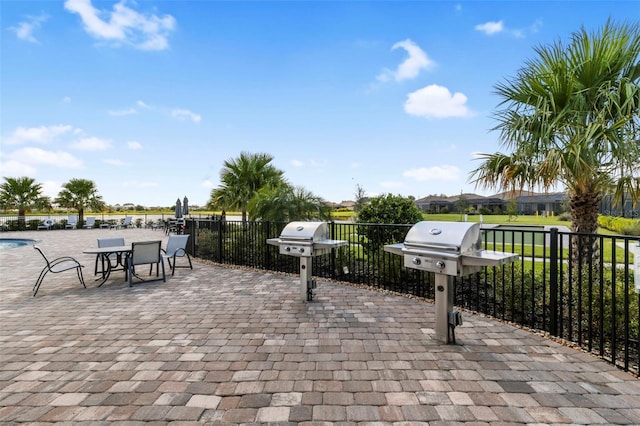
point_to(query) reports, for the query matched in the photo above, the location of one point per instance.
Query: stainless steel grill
(305, 240)
(450, 249)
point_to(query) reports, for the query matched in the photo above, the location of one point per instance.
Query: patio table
(104, 253)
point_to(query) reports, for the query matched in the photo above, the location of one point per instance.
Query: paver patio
(224, 345)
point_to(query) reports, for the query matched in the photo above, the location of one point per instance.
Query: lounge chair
(112, 258)
(89, 223)
(72, 222)
(46, 224)
(145, 253)
(176, 247)
(126, 223)
(55, 266)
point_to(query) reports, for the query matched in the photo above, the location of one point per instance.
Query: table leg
(105, 274)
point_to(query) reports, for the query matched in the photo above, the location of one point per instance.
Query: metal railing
(576, 287)
(31, 222)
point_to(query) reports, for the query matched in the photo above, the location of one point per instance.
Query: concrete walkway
(220, 345)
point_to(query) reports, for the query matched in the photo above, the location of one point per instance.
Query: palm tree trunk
(584, 220)
(22, 223)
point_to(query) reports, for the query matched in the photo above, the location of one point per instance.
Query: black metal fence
(59, 221)
(577, 287)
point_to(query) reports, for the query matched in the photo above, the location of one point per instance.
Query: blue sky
(149, 98)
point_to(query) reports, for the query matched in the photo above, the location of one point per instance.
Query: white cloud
(437, 102)
(495, 27)
(124, 25)
(535, 27)
(122, 112)
(410, 67)
(438, 173)
(115, 162)
(134, 145)
(207, 184)
(491, 27)
(42, 134)
(185, 114)
(66, 100)
(38, 156)
(51, 188)
(141, 104)
(297, 163)
(16, 168)
(92, 144)
(24, 30)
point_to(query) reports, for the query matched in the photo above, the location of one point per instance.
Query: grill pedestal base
(444, 305)
(306, 290)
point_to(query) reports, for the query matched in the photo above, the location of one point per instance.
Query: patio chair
(109, 242)
(145, 253)
(90, 223)
(126, 223)
(176, 247)
(46, 224)
(72, 222)
(61, 264)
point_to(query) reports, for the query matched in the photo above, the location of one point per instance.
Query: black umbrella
(185, 206)
(178, 209)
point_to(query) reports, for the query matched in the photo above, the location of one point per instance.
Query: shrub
(388, 210)
(620, 225)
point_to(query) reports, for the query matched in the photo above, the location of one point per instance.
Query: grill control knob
(287, 249)
(416, 261)
(440, 264)
(301, 249)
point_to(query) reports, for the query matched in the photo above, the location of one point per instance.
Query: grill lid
(305, 231)
(456, 237)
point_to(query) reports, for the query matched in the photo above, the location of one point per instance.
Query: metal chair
(109, 242)
(72, 222)
(46, 224)
(126, 223)
(176, 247)
(145, 253)
(90, 223)
(61, 264)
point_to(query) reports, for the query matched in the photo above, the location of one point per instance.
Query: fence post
(267, 233)
(220, 230)
(333, 251)
(553, 281)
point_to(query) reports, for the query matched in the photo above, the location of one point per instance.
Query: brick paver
(225, 345)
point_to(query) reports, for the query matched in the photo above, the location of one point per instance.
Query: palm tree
(80, 194)
(571, 116)
(285, 203)
(23, 194)
(241, 179)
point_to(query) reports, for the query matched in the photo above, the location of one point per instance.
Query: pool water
(9, 243)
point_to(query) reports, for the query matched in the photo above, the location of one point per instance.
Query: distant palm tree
(23, 194)
(285, 203)
(241, 179)
(572, 116)
(80, 194)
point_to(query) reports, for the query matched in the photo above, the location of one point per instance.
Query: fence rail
(577, 287)
(31, 222)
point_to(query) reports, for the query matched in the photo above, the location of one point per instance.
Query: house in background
(550, 204)
(526, 203)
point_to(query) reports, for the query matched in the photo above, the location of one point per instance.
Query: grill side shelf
(489, 258)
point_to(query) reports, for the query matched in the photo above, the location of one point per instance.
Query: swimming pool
(9, 243)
